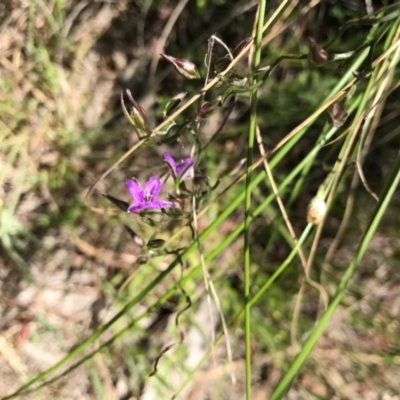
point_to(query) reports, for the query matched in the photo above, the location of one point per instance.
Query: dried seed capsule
(316, 210)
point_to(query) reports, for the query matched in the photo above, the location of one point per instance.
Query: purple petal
(137, 207)
(180, 169)
(151, 205)
(183, 169)
(152, 189)
(135, 190)
(163, 204)
(168, 158)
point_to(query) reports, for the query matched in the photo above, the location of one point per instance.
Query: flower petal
(162, 204)
(135, 190)
(168, 158)
(152, 187)
(180, 169)
(137, 207)
(184, 168)
(151, 205)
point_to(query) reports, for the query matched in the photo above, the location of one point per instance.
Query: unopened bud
(155, 243)
(337, 115)
(121, 204)
(136, 116)
(316, 210)
(241, 46)
(184, 67)
(142, 260)
(221, 64)
(208, 108)
(173, 104)
(317, 55)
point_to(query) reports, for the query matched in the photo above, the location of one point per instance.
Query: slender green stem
(252, 130)
(387, 193)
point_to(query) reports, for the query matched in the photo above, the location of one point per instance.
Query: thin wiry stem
(209, 286)
(252, 130)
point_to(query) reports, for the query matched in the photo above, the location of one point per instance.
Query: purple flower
(145, 198)
(181, 169)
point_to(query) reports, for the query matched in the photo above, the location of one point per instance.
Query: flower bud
(137, 116)
(241, 46)
(316, 210)
(221, 64)
(122, 205)
(155, 243)
(142, 260)
(208, 108)
(317, 55)
(173, 104)
(337, 115)
(184, 67)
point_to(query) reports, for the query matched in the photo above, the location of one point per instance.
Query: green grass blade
(380, 209)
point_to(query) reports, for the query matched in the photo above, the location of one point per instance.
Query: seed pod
(337, 115)
(317, 55)
(184, 67)
(316, 210)
(173, 104)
